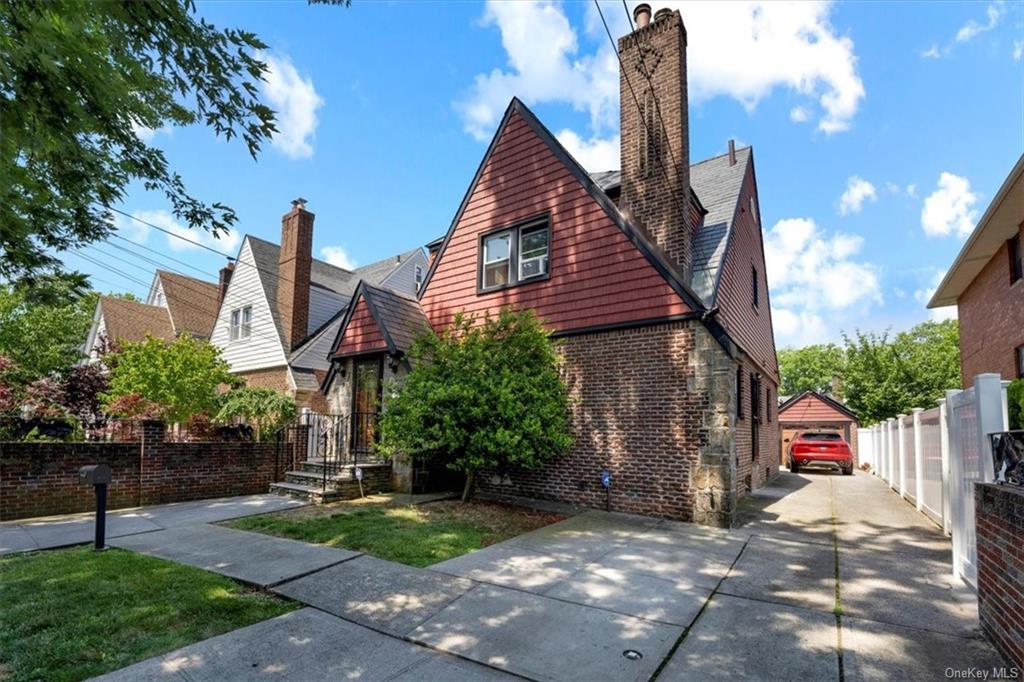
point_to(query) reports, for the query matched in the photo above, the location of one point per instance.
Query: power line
(173, 234)
(163, 255)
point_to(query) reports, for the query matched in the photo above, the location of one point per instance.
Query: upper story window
(241, 323)
(419, 277)
(515, 255)
(1016, 264)
(753, 208)
(755, 294)
(1020, 362)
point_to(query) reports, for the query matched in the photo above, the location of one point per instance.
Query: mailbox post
(98, 476)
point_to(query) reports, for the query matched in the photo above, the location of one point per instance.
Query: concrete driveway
(827, 577)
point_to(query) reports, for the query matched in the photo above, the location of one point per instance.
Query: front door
(366, 386)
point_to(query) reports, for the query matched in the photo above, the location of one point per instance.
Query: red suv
(820, 448)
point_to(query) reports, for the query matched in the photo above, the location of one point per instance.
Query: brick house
(281, 308)
(811, 410)
(986, 283)
(176, 304)
(653, 280)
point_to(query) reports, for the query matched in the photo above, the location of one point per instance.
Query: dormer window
(241, 323)
(515, 255)
(419, 277)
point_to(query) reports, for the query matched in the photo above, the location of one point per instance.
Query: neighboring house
(986, 283)
(653, 280)
(809, 411)
(176, 305)
(282, 308)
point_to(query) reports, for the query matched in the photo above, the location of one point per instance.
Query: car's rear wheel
(794, 467)
(848, 470)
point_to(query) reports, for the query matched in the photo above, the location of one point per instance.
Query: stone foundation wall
(999, 515)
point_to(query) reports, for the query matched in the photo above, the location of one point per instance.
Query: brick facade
(988, 342)
(40, 479)
(652, 406)
(655, 154)
(999, 515)
(279, 379)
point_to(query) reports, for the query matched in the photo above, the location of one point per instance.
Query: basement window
(241, 323)
(515, 255)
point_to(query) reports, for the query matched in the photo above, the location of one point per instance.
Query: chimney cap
(662, 13)
(642, 15)
(732, 152)
(299, 202)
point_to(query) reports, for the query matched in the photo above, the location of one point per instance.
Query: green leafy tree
(1015, 403)
(812, 368)
(264, 409)
(883, 377)
(78, 81)
(43, 335)
(480, 396)
(183, 377)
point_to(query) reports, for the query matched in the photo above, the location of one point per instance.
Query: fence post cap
(917, 409)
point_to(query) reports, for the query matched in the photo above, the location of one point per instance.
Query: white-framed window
(241, 323)
(533, 251)
(419, 277)
(497, 259)
(515, 255)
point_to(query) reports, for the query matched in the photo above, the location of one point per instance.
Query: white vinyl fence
(933, 457)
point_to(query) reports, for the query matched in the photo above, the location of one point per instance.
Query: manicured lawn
(415, 535)
(71, 614)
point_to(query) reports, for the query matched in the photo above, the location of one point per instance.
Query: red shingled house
(652, 278)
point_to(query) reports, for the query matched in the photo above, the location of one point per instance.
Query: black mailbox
(98, 476)
(94, 474)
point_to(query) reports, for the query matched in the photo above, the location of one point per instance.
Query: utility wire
(163, 255)
(173, 234)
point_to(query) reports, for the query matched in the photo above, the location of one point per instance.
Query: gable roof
(717, 186)
(831, 402)
(399, 317)
(322, 274)
(131, 321)
(191, 303)
(1001, 221)
(655, 256)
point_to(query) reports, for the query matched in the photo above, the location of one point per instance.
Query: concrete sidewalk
(828, 577)
(49, 532)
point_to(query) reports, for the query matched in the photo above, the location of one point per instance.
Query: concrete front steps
(307, 482)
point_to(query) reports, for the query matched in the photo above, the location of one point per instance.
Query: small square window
(419, 277)
(533, 252)
(497, 259)
(241, 323)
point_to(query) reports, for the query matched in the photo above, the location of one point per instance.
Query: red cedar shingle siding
(362, 335)
(810, 408)
(597, 276)
(750, 327)
(988, 341)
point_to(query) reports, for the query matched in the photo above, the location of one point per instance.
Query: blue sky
(880, 131)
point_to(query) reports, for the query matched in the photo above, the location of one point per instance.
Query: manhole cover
(632, 654)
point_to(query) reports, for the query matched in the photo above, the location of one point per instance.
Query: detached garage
(811, 410)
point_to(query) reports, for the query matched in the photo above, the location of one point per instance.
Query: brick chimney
(293, 267)
(225, 279)
(655, 138)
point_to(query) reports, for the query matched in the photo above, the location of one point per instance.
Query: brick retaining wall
(39, 479)
(999, 513)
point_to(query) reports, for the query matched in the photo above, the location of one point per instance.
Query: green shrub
(1015, 403)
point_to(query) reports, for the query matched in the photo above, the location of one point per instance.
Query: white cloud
(911, 190)
(949, 209)
(932, 52)
(799, 115)
(337, 255)
(925, 293)
(814, 280)
(595, 154)
(740, 50)
(296, 102)
(147, 134)
(1018, 50)
(972, 28)
(858, 190)
(227, 242)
